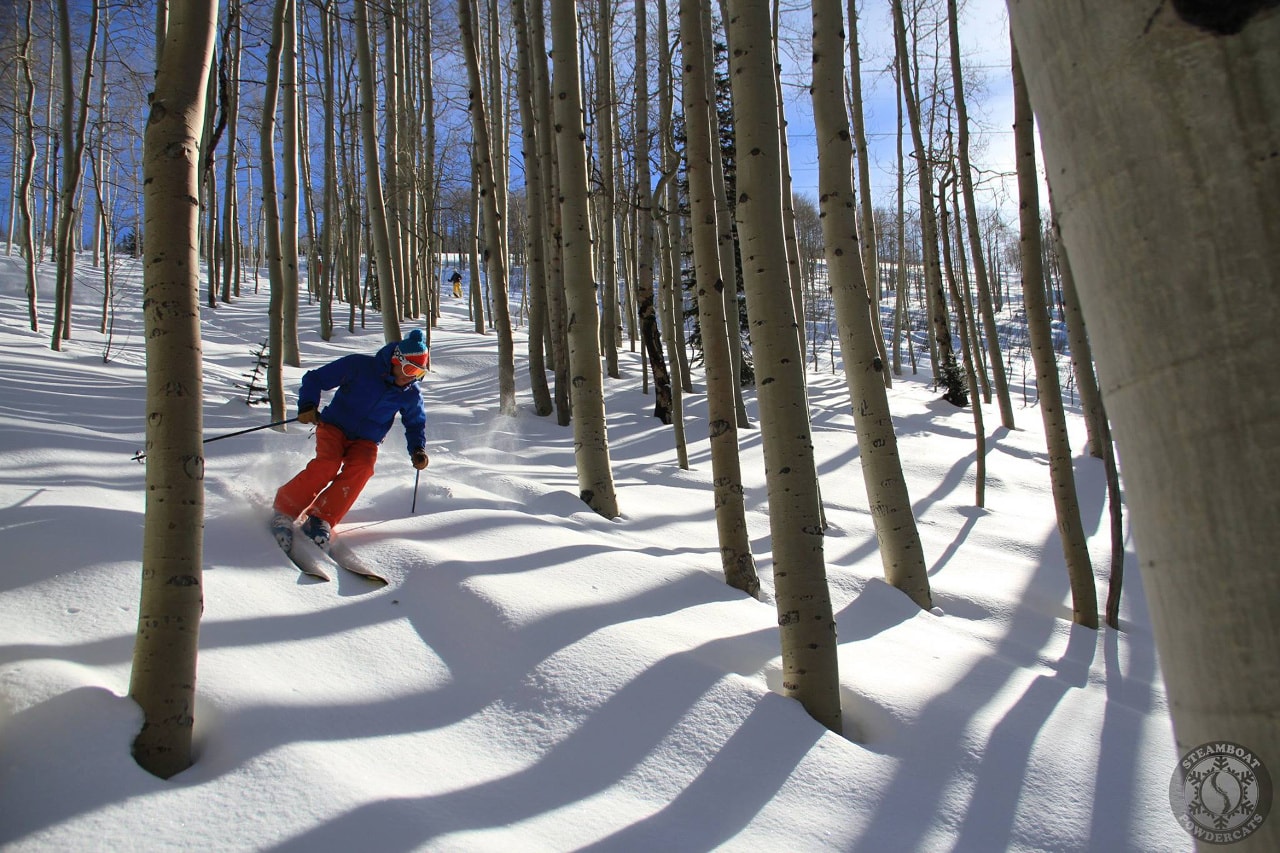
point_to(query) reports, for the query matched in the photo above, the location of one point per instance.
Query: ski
(342, 554)
(315, 560)
(309, 561)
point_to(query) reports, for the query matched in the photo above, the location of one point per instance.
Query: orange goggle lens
(410, 369)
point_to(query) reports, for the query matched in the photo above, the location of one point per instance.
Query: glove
(308, 415)
(420, 459)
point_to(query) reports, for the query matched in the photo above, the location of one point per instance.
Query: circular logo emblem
(1220, 792)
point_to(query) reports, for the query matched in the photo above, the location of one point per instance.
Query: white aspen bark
(725, 236)
(889, 500)
(590, 433)
(429, 194)
(28, 141)
(73, 125)
(608, 189)
(271, 217)
(230, 199)
(666, 213)
(535, 267)
(393, 197)
(963, 328)
(1075, 549)
(736, 559)
(867, 218)
(289, 187)
(650, 328)
(994, 355)
(550, 177)
(495, 259)
(381, 248)
(945, 370)
(1081, 351)
(1176, 254)
(163, 674)
(808, 637)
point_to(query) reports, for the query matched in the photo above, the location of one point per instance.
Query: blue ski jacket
(367, 398)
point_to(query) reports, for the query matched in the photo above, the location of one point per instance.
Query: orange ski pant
(331, 482)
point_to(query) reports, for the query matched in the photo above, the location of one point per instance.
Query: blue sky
(984, 41)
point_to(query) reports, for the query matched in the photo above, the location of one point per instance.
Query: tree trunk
(946, 371)
(28, 140)
(164, 657)
(590, 434)
(1075, 549)
(650, 330)
(608, 187)
(900, 551)
(971, 220)
(73, 124)
(867, 220)
(665, 205)
(1081, 352)
(381, 248)
(963, 327)
(1176, 254)
(535, 275)
(271, 217)
(549, 174)
(289, 188)
(810, 668)
(736, 559)
(495, 258)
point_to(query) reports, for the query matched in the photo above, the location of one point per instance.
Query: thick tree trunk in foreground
(163, 679)
(1175, 248)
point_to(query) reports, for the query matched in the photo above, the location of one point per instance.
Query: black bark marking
(1220, 17)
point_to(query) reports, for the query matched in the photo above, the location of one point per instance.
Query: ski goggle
(410, 369)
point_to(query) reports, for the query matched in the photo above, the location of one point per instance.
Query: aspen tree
(271, 217)
(650, 328)
(381, 249)
(994, 354)
(731, 517)
(810, 668)
(887, 496)
(549, 175)
(163, 674)
(607, 239)
(946, 371)
(1081, 352)
(67, 219)
(230, 197)
(1075, 549)
(28, 142)
(866, 221)
(590, 433)
(535, 248)
(1176, 254)
(494, 257)
(289, 186)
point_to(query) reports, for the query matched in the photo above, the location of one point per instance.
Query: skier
(371, 389)
(456, 280)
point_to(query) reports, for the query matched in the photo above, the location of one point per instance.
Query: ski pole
(140, 455)
(413, 508)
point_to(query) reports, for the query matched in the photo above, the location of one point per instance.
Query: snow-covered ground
(536, 677)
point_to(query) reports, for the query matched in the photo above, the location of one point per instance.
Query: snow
(536, 677)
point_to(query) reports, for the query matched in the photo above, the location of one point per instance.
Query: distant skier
(456, 279)
(371, 390)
